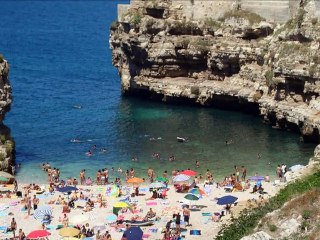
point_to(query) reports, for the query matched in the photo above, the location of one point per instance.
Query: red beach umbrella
(189, 173)
(38, 234)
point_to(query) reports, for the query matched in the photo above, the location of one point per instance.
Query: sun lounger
(139, 223)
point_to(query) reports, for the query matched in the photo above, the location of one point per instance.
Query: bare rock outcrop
(7, 147)
(238, 61)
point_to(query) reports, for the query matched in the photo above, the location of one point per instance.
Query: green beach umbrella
(191, 197)
(6, 175)
(3, 179)
(161, 179)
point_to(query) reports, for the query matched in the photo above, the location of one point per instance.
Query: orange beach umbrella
(135, 180)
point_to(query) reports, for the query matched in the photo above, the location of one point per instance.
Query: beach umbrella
(189, 173)
(256, 178)
(296, 167)
(227, 200)
(119, 205)
(181, 178)
(135, 180)
(191, 197)
(157, 185)
(112, 191)
(4, 179)
(197, 191)
(42, 211)
(67, 189)
(38, 234)
(161, 179)
(79, 219)
(133, 233)
(6, 175)
(69, 232)
(99, 227)
(111, 218)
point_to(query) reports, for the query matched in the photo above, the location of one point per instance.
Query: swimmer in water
(75, 140)
(103, 150)
(228, 142)
(94, 147)
(120, 170)
(259, 155)
(89, 153)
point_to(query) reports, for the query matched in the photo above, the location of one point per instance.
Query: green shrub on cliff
(248, 220)
(136, 18)
(2, 157)
(1, 58)
(269, 78)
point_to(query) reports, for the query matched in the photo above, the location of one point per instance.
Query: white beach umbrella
(181, 178)
(79, 219)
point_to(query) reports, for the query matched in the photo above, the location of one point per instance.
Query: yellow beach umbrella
(135, 180)
(69, 232)
(121, 205)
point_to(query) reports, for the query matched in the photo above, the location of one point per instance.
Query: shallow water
(59, 57)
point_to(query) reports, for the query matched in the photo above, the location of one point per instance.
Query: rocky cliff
(6, 142)
(238, 61)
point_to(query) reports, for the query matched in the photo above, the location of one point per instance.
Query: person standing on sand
(150, 173)
(131, 173)
(186, 216)
(35, 202)
(13, 227)
(65, 220)
(244, 173)
(237, 172)
(106, 176)
(208, 174)
(21, 235)
(82, 177)
(29, 206)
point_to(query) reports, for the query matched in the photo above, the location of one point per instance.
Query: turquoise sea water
(60, 58)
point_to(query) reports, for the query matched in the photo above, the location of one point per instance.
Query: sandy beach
(164, 209)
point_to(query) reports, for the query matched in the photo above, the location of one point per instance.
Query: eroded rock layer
(236, 61)
(7, 151)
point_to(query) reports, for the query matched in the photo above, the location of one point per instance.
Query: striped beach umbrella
(42, 211)
(189, 173)
(197, 191)
(157, 185)
(181, 178)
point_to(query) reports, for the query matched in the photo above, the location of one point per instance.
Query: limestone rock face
(6, 142)
(258, 236)
(237, 61)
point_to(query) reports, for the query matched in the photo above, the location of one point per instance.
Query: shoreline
(208, 227)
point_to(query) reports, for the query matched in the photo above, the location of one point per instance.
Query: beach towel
(153, 230)
(206, 214)
(3, 228)
(151, 203)
(195, 232)
(3, 214)
(145, 235)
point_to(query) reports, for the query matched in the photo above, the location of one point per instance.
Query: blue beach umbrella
(41, 212)
(133, 233)
(67, 189)
(111, 218)
(227, 200)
